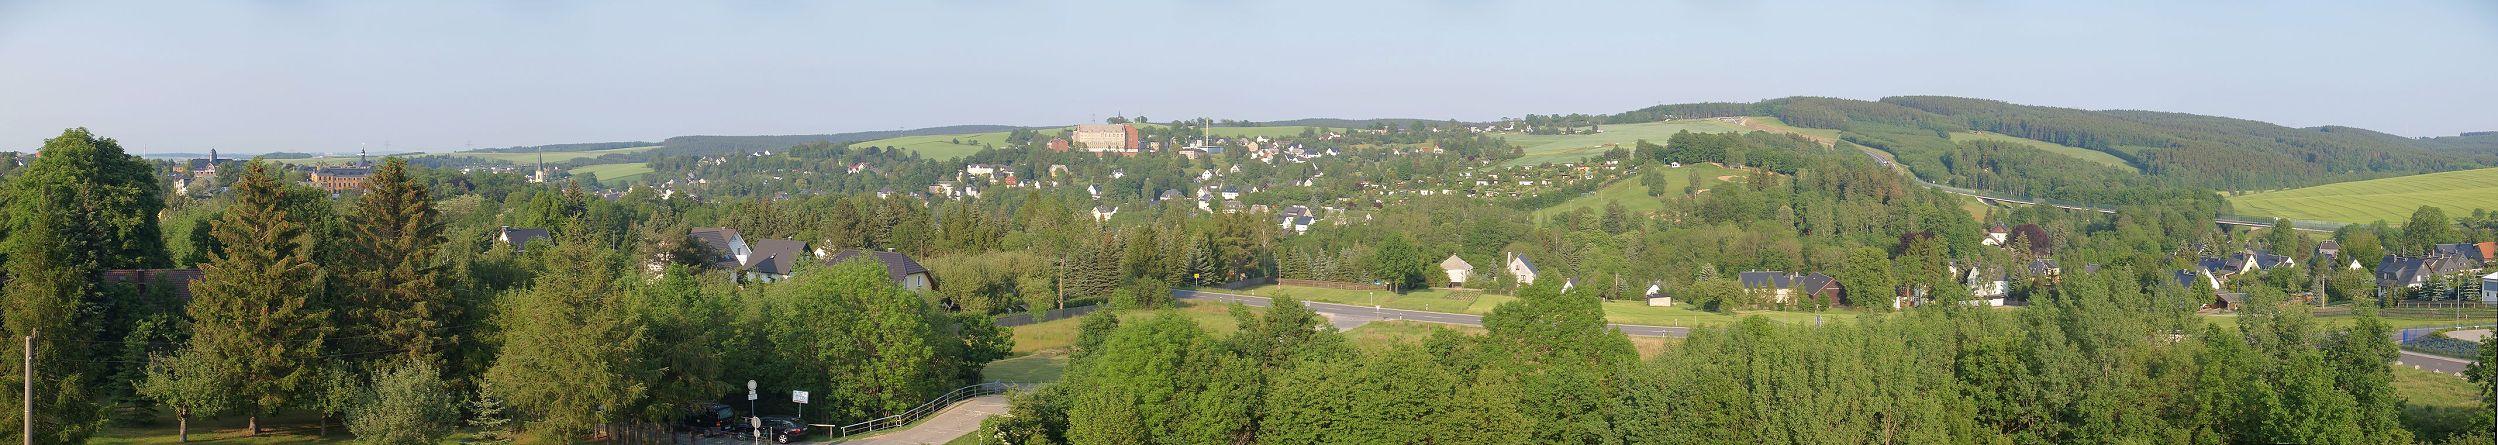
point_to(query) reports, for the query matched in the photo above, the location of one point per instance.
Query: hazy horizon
(320, 77)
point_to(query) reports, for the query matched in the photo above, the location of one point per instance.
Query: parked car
(716, 418)
(784, 429)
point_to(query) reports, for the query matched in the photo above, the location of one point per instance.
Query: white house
(2489, 288)
(1103, 213)
(1519, 267)
(1458, 270)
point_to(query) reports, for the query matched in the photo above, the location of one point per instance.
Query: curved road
(2408, 358)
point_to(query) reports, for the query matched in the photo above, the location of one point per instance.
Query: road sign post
(801, 398)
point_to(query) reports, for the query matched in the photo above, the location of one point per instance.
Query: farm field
(2390, 199)
(552, 156)
(2436, 403)
(2094, 156)
(612, 173)
(1773, 125)
(1565, 148)
(1634, 197)
(941, 146)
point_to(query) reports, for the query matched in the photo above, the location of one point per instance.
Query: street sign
(751, 395)
(798, 396)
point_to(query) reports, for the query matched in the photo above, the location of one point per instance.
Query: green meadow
(1542, 148)
(2389, 199)
(2094, 156)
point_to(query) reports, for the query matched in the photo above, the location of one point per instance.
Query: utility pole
(29, 395)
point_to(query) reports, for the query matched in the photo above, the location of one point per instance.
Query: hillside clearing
(1634, 197)
(2094, 156)
(612, 173)
(2389, 199)
(941, 146)
(1542, 148)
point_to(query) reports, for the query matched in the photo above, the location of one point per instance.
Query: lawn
(1060, 334)
(614, 173)
(1037, 367)
(1434, 300)
(284, 430)
(1381, 334)
(1634, 197)
(2094, 156)
(2435, 405)
(941, 146)
(1566, 148)
(2389, 199)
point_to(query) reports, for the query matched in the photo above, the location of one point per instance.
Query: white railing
(925, 409)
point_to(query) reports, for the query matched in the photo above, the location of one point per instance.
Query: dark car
(784, 429)
(716, 418)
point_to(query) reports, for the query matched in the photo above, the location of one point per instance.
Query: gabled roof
(1814, 282)
(1762, 279)
(1522, 262)
(716, 241)
(2471, 251)
(1454, 263)
(897, 265)
(2185, 278)
(776, 256)
(520, 237)
(2043, 265)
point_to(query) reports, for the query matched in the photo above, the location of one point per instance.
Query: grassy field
(1773, 125)
(942, 146)
(2435, 405)
(2341, 318)
(2389, 199)
(1634, 197)
(284, 430)
(2094, 156)
(1059, 334)
(613, 173)
(1565, 148)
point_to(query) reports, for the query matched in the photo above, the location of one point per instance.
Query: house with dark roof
(519, 237)
(2227, 301)
(905, 271)
(2189, 278)
(1520, 268)
(1783, 287)
(726, 248)
(772, 260)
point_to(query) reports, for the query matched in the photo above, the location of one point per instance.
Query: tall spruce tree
(395, 299)
(253, 311)
(82, 207)
(570, 360)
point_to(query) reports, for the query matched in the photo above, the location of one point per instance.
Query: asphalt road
(2408, 358)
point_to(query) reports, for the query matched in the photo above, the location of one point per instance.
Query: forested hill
(2177, 149)
(712, 145)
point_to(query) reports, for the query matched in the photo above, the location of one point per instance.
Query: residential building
(1656, 295)
(1522, 269)
(1458, 270)
(1783, 287)
(901, 268)
(772, 260)
(2489, 288)
(519, 237)
(1106, 138)
(727, 249)
(340, 179)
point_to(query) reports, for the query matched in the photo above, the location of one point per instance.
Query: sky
(330, 77)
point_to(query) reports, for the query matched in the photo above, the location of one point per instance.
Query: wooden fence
(1332, 284)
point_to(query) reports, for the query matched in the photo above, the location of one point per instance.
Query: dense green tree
(1398, 263)
(254, 311)
(192, 385)
(79, 208)
(572, 346)
(394, 298)
(2428, 225)
(405, 405)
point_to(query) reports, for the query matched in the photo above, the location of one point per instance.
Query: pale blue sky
(327, 76)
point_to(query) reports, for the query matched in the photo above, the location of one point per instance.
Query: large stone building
(1106, 138)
